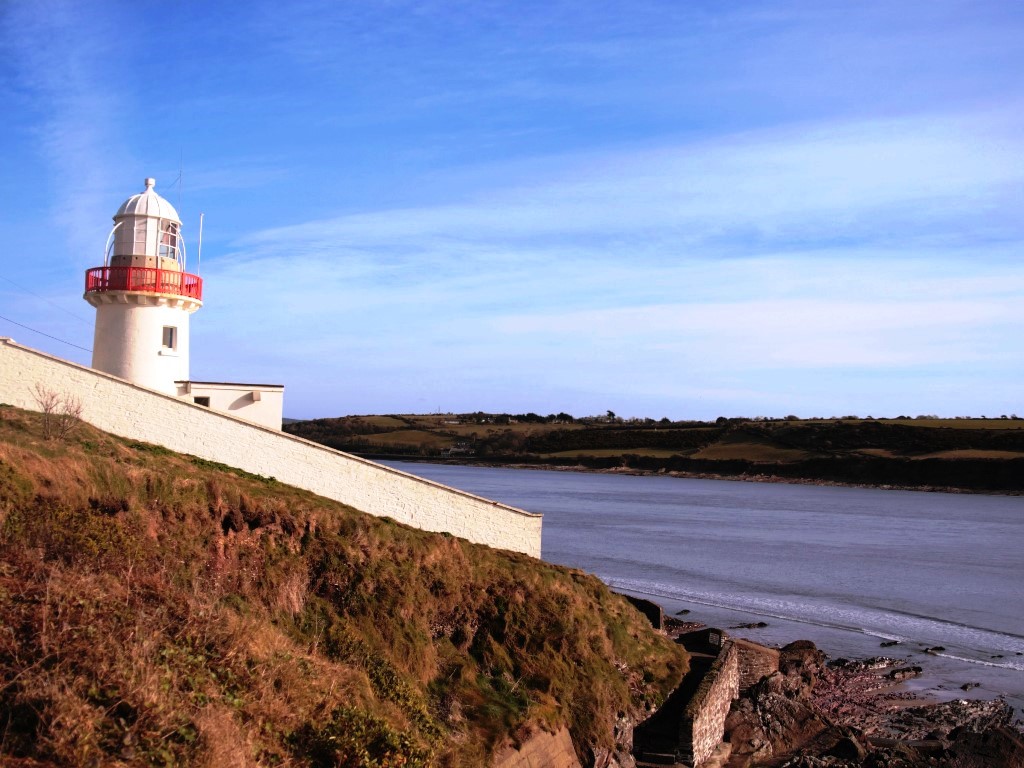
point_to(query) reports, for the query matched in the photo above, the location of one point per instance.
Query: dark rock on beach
(1001, 746)
(903, 673)
(846, 713)
(675, 627)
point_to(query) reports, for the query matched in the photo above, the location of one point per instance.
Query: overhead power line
(43, 298)
(27, 328)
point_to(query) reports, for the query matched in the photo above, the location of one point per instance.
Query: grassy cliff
(156, 609)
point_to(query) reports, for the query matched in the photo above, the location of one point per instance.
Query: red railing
(145, 280)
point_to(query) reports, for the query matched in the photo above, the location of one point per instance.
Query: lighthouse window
(140, 237)
(168, 240)
(170, 337)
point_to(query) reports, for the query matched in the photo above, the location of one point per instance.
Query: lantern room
(146, 233)
(143, 295)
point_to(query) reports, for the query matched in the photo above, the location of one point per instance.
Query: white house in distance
(144, 297)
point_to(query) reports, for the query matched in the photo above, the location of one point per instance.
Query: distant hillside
(158, 609)
(968, 454)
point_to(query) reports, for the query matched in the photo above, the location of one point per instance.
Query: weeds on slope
(159, 611)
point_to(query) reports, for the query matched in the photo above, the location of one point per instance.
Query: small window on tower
(170, 337)
(204, 401)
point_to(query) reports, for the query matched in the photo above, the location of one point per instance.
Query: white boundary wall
(117, 406)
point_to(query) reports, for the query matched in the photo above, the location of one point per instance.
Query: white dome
(148, 203)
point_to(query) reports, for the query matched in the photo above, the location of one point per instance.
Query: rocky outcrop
(774, 718)
(1000, 747)
(847, 714)
(540, 750)
(622, 755)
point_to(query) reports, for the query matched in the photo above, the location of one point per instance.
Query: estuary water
(848, 568)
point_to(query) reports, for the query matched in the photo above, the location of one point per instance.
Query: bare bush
(62, 412)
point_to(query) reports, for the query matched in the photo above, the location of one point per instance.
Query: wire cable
(27, 328)
(43, 298)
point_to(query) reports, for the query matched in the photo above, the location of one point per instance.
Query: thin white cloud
(237, 173)
(805, 333)
(891, 179)
(59, 50)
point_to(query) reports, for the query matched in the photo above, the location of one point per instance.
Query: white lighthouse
(143, 296)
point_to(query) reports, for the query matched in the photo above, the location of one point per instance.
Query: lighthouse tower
(143, 296)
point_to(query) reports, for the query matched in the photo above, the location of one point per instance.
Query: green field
(750, 452)
(972, 454)
(661, 454)
(408, 438)
(943, 423)
(392, 422)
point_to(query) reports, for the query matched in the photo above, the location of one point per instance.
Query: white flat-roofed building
(259, 403)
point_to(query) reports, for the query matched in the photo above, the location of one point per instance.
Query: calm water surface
(845, 567)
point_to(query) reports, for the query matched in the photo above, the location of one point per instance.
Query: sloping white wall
(125, 409)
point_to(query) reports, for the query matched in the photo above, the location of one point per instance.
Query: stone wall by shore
(704, 719)
(755, 661)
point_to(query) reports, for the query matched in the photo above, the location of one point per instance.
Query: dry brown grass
(750, 451)
(412, 438)
(970, 453)
(656, 452)
(157, 610)
(520, 429)
(958, 423)
(386, 422)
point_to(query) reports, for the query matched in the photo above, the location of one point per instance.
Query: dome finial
(150, 183)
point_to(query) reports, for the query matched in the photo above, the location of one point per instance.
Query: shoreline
(743, 478)
(980, 666)
(866, 700)
(938, 679)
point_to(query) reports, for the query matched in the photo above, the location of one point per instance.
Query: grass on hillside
(961, 423)
(465, 430)
(387, 422)
(933, 423)
(750, 451)
(158, 609)
(413, 438)
(655, 452)
(969, 453)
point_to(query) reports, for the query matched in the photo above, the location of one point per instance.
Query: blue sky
(683, 209)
